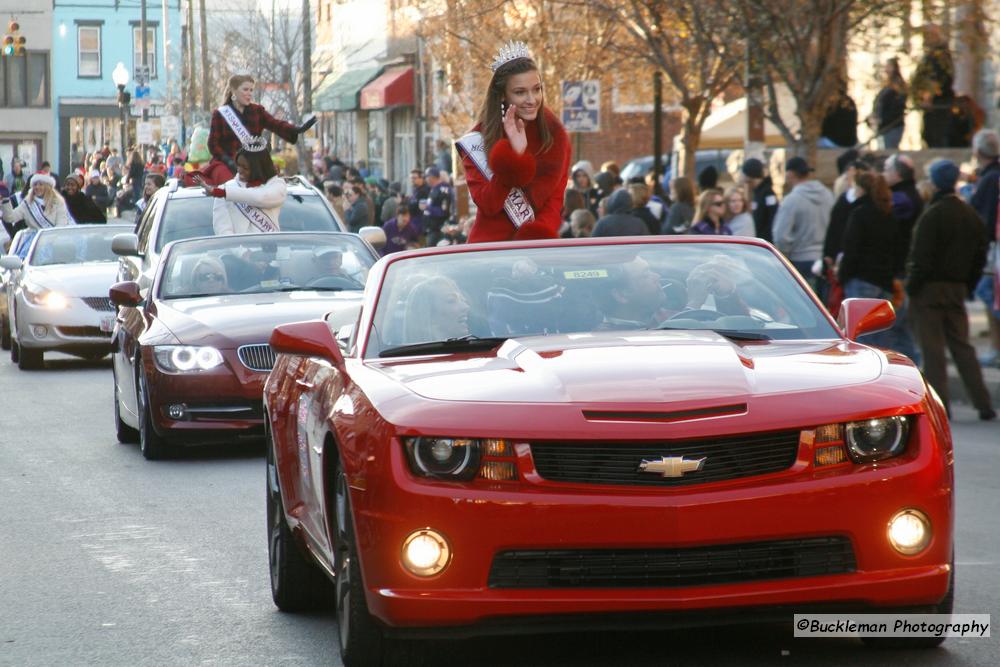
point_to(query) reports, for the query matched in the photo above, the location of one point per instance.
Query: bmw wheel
(296, 584)
(151, 444)
(15, 351)
(4, 333)
(124, 432)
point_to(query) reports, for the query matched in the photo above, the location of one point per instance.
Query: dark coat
(83, 209)
(984, 199)
(869, 245)
(949, 245)
(764, 206)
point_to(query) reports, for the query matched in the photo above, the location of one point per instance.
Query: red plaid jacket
(223, 143)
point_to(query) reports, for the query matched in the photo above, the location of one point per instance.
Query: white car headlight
(186, 358)
(876, 439)
(42, 296)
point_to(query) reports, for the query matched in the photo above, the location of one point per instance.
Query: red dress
(541, 176)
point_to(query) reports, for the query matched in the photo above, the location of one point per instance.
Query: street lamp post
(120, 77)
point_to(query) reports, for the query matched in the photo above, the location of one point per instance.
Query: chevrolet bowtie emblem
(672, 466)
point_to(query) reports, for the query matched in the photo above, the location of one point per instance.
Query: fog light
(426, 553)
(39, 331)
(909, 532)
(176, 411)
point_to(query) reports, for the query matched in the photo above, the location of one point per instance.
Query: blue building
(89, 40)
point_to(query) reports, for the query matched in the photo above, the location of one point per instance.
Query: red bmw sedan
(191, 352)
(600, 433)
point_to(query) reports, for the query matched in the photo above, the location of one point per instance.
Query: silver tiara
(256, 144)
(510, 51)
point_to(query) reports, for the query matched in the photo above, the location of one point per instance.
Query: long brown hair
(235, 82)
(490, 119)
(875, 187)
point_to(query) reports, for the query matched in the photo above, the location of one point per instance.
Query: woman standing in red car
(517, 156)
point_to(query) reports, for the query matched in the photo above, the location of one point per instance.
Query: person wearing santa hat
(517, 156)
(43, 207)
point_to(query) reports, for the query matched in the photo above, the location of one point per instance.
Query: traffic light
(13, 41)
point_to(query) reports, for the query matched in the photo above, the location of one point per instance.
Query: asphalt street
(107, 559)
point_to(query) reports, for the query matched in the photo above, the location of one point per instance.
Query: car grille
(83, 332)
(730, 457)
(667, 568)
(101, 303)
(257, 357)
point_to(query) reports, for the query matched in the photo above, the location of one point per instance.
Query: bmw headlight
(42, 296)
(186, 358)
(876, 439)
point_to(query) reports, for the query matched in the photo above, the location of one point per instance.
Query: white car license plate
(108, 324)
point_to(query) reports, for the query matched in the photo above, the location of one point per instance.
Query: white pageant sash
(516, 204)
(38, 214)
(237, 126)
(257, 217)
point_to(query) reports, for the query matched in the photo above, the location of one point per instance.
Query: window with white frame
(150, 49)
(89, 51)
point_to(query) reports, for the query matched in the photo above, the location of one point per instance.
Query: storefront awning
(341, 93)
(394, 88)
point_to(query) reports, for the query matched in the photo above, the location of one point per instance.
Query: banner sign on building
(581, 105)
(144, 132)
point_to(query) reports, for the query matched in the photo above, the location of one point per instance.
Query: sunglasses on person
(718, 203)
(209, 276)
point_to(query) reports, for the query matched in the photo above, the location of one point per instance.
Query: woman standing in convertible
(238, 121)
(517, 156)
(250, 202)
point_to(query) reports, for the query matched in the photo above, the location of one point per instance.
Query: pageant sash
(257, 217)
(235, 124)
(39, 214)
(516, 204)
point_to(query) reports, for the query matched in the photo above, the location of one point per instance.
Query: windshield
(75, 245)
(189, 217)
(266, 263)
(742, 291)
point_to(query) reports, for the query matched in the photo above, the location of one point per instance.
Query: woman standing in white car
(43, 207)
(251, 202)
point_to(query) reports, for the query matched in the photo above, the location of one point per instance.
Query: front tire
(125, 433)
(151, 444)
(296, 583)
(29, 359)
(4, 333)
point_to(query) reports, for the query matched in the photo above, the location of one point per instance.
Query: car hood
(241, 319)
(634, 368)
(91, 279)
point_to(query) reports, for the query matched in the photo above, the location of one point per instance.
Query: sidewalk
(979, 336)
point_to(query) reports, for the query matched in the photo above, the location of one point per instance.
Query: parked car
(18, 248)
(175, 213)
(57, 298)
(191, 357)
(641, 166)
(597, 432)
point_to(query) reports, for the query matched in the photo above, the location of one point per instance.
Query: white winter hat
(42, 177)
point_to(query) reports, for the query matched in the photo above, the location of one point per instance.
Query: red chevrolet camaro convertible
(600, 433)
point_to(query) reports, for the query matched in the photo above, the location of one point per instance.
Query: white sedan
(59, 298)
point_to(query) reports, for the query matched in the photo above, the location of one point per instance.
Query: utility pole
(753, 138)
(192, 70)
(168, 106)
(205, 103)
(657, 126)
(145, 51)
(306, 58)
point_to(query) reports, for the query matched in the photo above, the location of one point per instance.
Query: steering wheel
(700, 314)
(328, 282)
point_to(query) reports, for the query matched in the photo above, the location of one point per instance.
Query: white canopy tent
(725, 127)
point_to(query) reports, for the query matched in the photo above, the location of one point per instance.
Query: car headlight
(186, 358)
(462, 459)
(876, 439)
(42, 296)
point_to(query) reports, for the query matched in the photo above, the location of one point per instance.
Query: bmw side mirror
(10, 262)
(307, 339)
(375, 236)
(862, 316)
(125, 245)
(125, 294)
